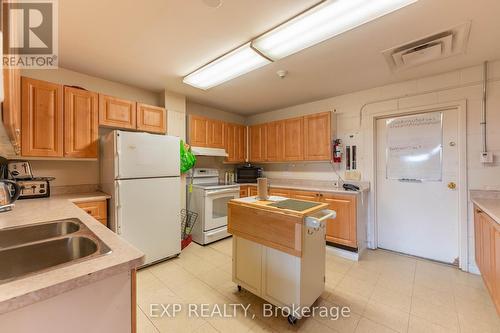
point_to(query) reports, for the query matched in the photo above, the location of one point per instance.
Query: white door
(148, 212)
(142, 155)
(416, 217)
(216, 207)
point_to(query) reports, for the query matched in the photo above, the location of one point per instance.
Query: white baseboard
(473, 269)
(354, 256)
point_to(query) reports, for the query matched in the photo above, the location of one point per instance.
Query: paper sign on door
(415, 147)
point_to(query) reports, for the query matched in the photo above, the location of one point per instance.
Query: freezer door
(148, 213)
(142, 155)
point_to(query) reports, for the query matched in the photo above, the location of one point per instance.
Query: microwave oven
(248, 174)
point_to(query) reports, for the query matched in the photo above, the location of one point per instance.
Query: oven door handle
(225, 191)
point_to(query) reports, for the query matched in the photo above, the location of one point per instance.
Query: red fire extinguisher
(337, 151)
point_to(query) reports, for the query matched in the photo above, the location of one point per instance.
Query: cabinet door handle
(479, 211)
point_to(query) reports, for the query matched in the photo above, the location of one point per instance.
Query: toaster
(34, 188)
(20, 169)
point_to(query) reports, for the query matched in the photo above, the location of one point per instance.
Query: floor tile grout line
(147, 317)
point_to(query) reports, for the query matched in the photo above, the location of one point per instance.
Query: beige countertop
(37, 287)
(490, 206)
(313, 188)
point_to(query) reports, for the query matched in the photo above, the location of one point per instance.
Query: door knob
(452, 185)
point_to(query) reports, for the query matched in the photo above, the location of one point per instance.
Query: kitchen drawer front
(281, 192)
(97, 209)
(304, 195)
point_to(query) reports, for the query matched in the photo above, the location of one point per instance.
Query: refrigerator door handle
(117, 156)
(118, 210)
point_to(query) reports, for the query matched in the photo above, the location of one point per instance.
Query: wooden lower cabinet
(281, 192)
(97, 209)
(252, 191)
(244, 191)
(342, 229)
(487, 248)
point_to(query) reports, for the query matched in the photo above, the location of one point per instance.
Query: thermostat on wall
(486, 157)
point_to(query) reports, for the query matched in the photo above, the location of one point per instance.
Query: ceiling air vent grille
(431, 48)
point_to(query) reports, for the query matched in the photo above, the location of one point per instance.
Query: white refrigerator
(142, 173)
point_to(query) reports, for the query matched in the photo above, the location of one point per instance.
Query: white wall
(210, 112)
(458, 85)
(465, 84)
(68, 77)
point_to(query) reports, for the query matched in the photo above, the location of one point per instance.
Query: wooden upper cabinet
(317, 137)
(151, 118)
(293, 139)
(257, 139)
(275, 142)
(11, 106)
(231, 142)
(117, 112)
(198, 131)
(81, 127)
(342, 229)
(241, 146)
(42, 118)
(215, 134)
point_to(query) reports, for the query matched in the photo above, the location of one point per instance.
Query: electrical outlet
(486, 157)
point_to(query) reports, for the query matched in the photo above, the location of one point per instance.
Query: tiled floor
(386, 292)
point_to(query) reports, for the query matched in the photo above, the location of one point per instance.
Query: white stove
(209, 198)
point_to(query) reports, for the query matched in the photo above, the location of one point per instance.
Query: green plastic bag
(187, 158)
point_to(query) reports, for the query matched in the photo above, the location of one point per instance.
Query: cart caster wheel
(292, 320)
(239, 288)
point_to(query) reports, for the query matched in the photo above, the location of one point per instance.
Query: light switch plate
(486, 157)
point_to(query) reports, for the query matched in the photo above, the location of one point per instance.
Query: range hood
(204, 151)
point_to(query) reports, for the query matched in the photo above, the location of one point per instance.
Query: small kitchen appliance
(30, 187)
(248, 174)
(36, 187)
(7, 197)
(19, 169)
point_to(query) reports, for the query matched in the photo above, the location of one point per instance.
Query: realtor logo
(30, 33)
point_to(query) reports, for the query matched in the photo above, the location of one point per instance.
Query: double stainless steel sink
(44, 246)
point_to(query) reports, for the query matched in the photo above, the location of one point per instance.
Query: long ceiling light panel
(238, 62)
(326, 20)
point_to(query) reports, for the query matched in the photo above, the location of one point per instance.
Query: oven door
(216, 207)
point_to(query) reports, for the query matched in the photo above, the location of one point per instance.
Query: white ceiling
(153, 43)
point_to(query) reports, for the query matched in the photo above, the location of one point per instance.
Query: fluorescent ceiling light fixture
(238, 62)
(326, 20)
